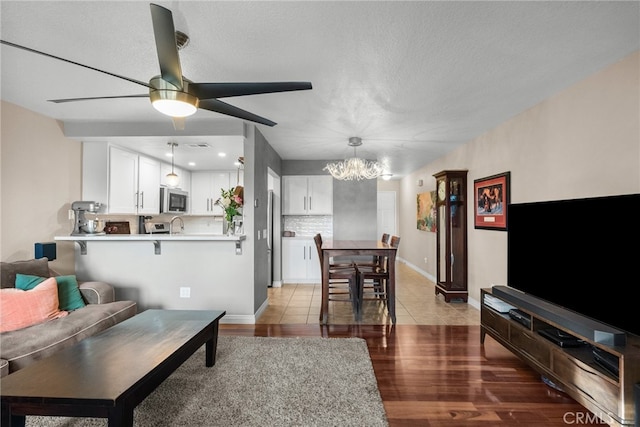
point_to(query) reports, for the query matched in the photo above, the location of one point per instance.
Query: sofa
(23, 346)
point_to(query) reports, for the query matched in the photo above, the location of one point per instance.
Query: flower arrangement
(231, 202)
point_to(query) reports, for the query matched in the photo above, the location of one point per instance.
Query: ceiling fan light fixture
(173, 103)
(355, 168)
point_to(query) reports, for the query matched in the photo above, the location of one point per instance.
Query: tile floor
(416, 304)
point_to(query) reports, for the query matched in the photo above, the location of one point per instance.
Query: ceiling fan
(173, 94)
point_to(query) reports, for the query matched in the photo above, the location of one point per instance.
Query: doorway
(387, 213)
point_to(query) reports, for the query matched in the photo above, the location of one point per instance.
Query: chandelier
(355, 168)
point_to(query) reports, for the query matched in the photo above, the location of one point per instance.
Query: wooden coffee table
(109, 374)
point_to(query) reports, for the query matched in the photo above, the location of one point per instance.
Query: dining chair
(378, 259)
(343, 280)
(373, 280)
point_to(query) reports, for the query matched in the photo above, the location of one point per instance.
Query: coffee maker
(79, 209)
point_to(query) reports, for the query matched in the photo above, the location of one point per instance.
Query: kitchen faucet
(171, 224)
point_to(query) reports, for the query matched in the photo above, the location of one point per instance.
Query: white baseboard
(416, 268)
(245, 319)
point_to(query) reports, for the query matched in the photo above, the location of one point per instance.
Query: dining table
(355, 248)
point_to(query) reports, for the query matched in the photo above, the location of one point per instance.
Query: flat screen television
(581, 254)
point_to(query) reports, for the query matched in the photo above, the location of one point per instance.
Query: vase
(227, 228)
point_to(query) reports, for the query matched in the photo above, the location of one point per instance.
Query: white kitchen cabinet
(308, 195)
(206, 189)
(134, 183)
(300, 262)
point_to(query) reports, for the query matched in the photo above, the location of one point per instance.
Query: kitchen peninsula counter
(156, 239)
(173, 272)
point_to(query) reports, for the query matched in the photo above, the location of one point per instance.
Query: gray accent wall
(264, 157)
(355, 203)
(355, 210)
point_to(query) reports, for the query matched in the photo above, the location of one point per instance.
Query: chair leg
(360, 280)
(354, 284)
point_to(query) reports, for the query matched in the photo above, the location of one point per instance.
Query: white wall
(582, 142)
(40, 178)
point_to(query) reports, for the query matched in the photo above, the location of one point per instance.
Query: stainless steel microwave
(173, 200)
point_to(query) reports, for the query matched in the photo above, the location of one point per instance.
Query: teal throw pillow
(69, 296)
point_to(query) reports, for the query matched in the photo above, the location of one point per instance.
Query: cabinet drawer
(587, 380)
(531, 345)
(495, 322)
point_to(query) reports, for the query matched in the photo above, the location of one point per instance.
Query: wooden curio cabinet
(451, 220)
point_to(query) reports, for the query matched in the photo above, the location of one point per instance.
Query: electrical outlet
(425, 260)
(71, 214)
(185, 292)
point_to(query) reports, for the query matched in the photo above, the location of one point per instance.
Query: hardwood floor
(440, 375)
(431, 368)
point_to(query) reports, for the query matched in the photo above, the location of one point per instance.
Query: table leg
(324, 308)
(121, 416)
(391, 297)
(10, 420)
(211, 346)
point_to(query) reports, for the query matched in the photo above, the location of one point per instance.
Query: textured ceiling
(413, 79)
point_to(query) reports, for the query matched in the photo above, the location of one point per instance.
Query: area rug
(260, 381)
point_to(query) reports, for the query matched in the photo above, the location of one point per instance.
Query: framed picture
(426, 219)
(491, 197)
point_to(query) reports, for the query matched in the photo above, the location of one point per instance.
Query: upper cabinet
(134, 183)
(125, 182)
(307, 195)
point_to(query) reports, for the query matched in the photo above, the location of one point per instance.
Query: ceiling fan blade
(229, 110)
(165, 35)
(59, 101)
(28, 49)
(222, 90)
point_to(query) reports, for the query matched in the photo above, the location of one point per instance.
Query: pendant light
(172, 179)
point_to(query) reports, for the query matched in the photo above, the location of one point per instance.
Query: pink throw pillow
(19, 309)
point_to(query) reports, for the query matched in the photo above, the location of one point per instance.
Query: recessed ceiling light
(222, 154)
(192, 163)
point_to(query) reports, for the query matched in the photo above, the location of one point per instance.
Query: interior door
(387, 213)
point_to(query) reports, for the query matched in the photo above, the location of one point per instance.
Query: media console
(596, 365)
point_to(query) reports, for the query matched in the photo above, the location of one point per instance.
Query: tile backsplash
(309, 225)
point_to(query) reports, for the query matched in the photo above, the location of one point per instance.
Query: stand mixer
(79, 209)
